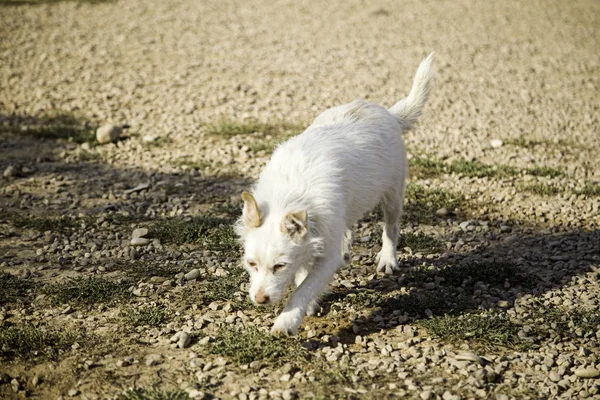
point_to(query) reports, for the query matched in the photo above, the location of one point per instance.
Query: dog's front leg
(288, 322)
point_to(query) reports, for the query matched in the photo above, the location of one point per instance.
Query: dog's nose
(261, 297)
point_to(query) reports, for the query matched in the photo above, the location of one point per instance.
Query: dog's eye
(278, 266)
(251, 264)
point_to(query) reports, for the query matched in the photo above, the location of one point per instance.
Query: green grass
(567, 323)
(27, 341)
(542, 189)
(13, 288)
(211, 233)
(18, 219)
(87, 291)
(212, 288)
(419, 242)
(56, 125)
(422, 168)
(543, 171)
(484, 331)
(591, 189)
(229, 128)
(153, 315)
(244, 346)
(423, 202)
(153, 393)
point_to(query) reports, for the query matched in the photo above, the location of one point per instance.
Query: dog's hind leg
(391, 203)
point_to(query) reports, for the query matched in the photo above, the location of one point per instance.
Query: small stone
(139, 233)
(138, 188)
(505, 228)
(193, 274)
(108, 133)
(153, 359)
(464, 225)
(554, 376)
(285, 378)
(588, 373)
(440, 212)
(149, 138)
(496, 143)
(469, 357)
(184, 340)
(365, 239)
(73, 392)
(196, 363)
(426, 395)
(196, 394)
(138, 241)
(10, 172)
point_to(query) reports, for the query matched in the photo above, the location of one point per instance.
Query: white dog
(296, 223)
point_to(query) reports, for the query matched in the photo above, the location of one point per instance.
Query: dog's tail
(408, 110)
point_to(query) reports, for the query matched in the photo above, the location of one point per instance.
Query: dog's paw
(387, 263)
(287, 323)
(313, 308)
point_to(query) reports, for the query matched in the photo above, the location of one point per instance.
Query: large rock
(108, 133)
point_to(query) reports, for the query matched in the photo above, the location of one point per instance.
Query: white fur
(350, 159)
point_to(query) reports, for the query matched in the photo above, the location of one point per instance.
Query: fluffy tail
(408, 110)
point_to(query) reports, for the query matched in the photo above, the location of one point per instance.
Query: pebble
(139, 233)
(73, 392)
(10, 172)
(108, 133)
(554, 376)
(588, 373)
(139, 241)
(496, 143)
(468, 356)
(441, 212)
(193, 274)
(153, 359)
(427, 395)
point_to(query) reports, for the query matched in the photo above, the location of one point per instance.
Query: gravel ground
(119, 272)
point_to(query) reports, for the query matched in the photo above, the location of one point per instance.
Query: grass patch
(487, 331)
(153, 393)
(56, 125)
(87, 291)
(419, 242)
(475, 169)
(425, 167)
(218, 288)
(211, 233)
(229, 128)
(60, 224)
(567, 323)
(543, 171)
(248, 345)
(543, 189)
(422, 203)
(153, 315)
(28, 341)
(13, 288)
(591, 189)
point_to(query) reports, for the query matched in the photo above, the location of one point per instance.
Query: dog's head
(274, 249)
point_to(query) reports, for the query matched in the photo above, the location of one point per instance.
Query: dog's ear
(295, 224)
(251, 213)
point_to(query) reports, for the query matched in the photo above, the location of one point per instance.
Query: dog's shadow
(488, 278)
